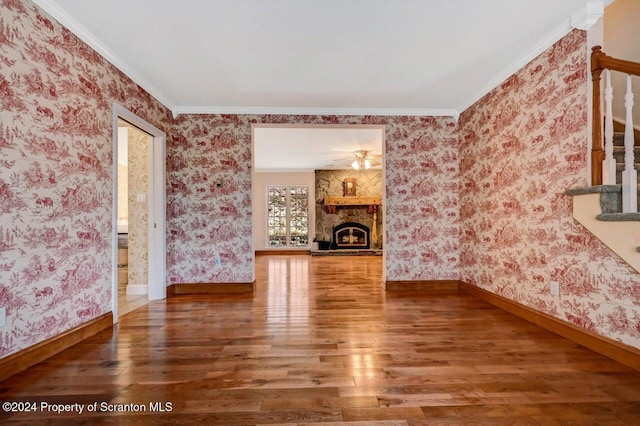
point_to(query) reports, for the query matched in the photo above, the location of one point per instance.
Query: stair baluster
(630, 174)
(609, 163)
(599, 63)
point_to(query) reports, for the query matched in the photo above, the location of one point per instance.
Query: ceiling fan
(364, 160)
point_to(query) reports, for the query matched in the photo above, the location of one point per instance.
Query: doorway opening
(323, 158)
(138, 213)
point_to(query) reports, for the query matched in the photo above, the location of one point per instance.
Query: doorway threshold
(347, 252)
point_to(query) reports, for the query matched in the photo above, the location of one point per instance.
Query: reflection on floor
(321, 342)
(347, 252)
(128, 303)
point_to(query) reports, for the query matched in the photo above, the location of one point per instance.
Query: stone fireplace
(351, 235)
(333, 208)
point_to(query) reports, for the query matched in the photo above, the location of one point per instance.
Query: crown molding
(582, 19)
(413, 112)
(507, 72)
(86, 36)
(588, 15)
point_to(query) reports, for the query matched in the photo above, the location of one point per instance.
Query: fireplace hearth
(351, 235)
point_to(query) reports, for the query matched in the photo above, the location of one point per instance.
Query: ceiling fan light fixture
(361, 161)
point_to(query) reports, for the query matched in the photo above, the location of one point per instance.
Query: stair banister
(609, 163)
(597, 154)
(630, 174)
(600, 62)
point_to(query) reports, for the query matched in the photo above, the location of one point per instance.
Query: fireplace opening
(351, 235)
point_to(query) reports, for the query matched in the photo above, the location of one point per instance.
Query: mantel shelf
(372, 202)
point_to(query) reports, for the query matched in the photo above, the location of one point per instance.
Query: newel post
(597, 153)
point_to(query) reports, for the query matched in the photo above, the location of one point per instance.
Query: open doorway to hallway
(139, 213)
(133, 216)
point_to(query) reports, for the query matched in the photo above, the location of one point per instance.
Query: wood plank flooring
(128, 303)
(319, 342)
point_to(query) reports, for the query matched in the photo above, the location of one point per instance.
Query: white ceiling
(364, 57)
(291, 149)
(416, 57)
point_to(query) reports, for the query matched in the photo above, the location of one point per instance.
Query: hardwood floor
(128, 303)
(320, 342)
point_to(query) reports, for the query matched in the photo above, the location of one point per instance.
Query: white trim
(114, 219)
(588, 15)
(252, 195)
(158, 219)
(288, 227)
(383, 207)
(508, 71)
(317, 126)
(619, 236)
(412, 112)
(157, 288)
(137, 289)
(58, 13)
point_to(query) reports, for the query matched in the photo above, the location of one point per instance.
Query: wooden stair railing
(604, 168)
(599, 62)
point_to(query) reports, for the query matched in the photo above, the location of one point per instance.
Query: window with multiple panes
(288, 216)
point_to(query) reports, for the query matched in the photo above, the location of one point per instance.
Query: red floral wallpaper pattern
(55, 183)
(206, 221)
(422, 221)
(495, 217)
(522, 146)
(56, 99)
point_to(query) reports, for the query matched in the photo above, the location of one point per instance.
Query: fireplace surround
(351, 235)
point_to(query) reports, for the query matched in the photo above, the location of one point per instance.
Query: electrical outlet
(555, 288)
(416, 261)
(218, 261)
(3, 317)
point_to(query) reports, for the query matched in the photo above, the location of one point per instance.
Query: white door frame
(157, 210)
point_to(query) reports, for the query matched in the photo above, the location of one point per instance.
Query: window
(288, 216)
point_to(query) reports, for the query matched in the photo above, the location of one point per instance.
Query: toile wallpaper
(138, 183)
(56, 98)
(206, 221)
(522, 146)
(479, 200)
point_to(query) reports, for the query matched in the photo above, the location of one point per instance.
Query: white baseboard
(137, 289)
